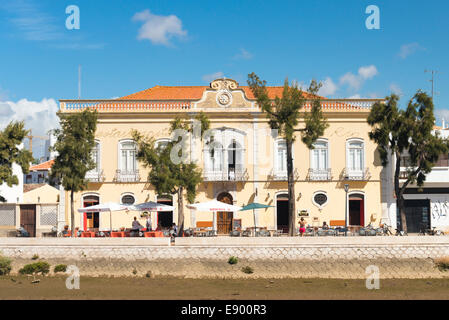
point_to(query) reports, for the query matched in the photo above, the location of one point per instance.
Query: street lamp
(346, 209)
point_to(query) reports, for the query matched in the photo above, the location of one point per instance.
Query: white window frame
(120, 149)
(162, 140)
(313, 165)
(98, 158)
(348, 157)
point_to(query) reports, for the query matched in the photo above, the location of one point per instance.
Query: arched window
(235, 159)
(224, 154)
(96, 156)
(355, 155)
(128, 163)
(281, 156)
(320, 155)
(162, 143)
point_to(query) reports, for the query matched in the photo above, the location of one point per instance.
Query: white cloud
(352, 80)
(40, 116)
(32, 22)
(159, 29)
(243, 55)
(394, 88)
(356, 81)
(368, 72)
(328, 88)
(212, 76)
(355, 96)
(408, 49)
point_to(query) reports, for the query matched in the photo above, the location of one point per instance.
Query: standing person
(302, 227)
(149, 223)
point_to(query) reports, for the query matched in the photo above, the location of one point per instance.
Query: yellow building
(248, 163)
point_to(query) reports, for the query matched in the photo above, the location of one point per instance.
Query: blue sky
(127, 46)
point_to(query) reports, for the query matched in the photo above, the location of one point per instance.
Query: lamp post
(346, 209)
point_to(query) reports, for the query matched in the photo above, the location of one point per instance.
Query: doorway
(282, 212)
(28, 218)
(165, 218)
(356, 210)
(417, 214)
(224, 219)
(91, 220)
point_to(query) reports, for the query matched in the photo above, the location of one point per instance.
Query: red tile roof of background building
(43, 166)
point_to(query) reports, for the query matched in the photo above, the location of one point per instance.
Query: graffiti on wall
(440, 209)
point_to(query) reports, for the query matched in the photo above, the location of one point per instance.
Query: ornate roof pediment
(224, 93)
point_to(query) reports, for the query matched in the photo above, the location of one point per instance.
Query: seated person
(135, 228)
(325, 226)
(173, 230)
(23, 232)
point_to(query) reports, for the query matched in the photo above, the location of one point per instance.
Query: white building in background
(427, 205)
(13, 194)
(50, 155)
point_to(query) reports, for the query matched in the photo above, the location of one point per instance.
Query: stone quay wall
(326, 257)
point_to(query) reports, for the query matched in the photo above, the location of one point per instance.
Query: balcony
(282, 175)
(226, 175)
(127, 176)
(356, 175)
(320, 175)
(95, 176)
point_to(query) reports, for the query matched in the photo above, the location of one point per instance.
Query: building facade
(424, 206)
(242, 159)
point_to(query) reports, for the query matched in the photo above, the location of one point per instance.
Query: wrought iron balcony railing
(356, 175)
(95, 176)
(282, 175)
(127, 176)
(226, 175)
(320, 174)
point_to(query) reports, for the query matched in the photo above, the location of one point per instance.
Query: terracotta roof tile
(189, 93)
(43, 166)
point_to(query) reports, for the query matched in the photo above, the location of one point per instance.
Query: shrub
(60, 268)
(5, 266)
(35, 257)
(149, 274)
(247, 270)
(233, 260)
(134, 271)
(442, 263)
(41, 267)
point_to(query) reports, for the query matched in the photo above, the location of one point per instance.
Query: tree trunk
(291, 190)
(180, 212)
(399, 194)
(72, 214)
